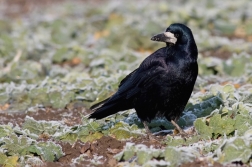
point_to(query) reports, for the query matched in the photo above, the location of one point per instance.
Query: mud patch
(106, 147)
(71, 152)
(69, 117)
(158, 144)
(15, 119)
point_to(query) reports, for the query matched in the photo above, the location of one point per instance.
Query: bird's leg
(181, 131)
(149, 134)
(146, 128)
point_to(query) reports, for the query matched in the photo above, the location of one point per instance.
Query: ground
(107, 146)
(59, 57)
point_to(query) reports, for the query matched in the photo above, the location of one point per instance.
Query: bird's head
(175, 34)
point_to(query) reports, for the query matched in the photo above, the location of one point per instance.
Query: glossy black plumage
(162, 84)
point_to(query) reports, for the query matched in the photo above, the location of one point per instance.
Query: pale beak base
(165, 37)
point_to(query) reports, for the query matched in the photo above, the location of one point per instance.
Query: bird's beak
(165, 37)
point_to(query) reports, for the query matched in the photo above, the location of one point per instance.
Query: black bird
(162, 84)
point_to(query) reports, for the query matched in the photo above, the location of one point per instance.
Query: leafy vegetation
(76, 54)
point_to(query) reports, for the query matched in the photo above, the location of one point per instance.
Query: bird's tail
(98, 105)
(106, 108)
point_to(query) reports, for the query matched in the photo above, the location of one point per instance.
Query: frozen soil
(69, 117)
(105, 147)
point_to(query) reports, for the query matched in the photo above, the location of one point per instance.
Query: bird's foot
(151, 137)
(179, 131)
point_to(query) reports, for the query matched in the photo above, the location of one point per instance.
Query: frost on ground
(59, 58)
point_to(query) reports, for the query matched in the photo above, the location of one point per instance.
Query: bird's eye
(176, 35)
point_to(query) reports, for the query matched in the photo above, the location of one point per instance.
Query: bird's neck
(190, 49)
(169, 49)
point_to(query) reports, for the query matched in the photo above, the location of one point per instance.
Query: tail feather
(103, 110)
(99, 104)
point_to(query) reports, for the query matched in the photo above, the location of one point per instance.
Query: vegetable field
(57, 58)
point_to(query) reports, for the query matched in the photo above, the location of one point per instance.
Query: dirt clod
(85, 147)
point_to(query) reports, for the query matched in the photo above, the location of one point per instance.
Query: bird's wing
(142, 78)
(146, 80)
(153, 67)
(127, 77)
